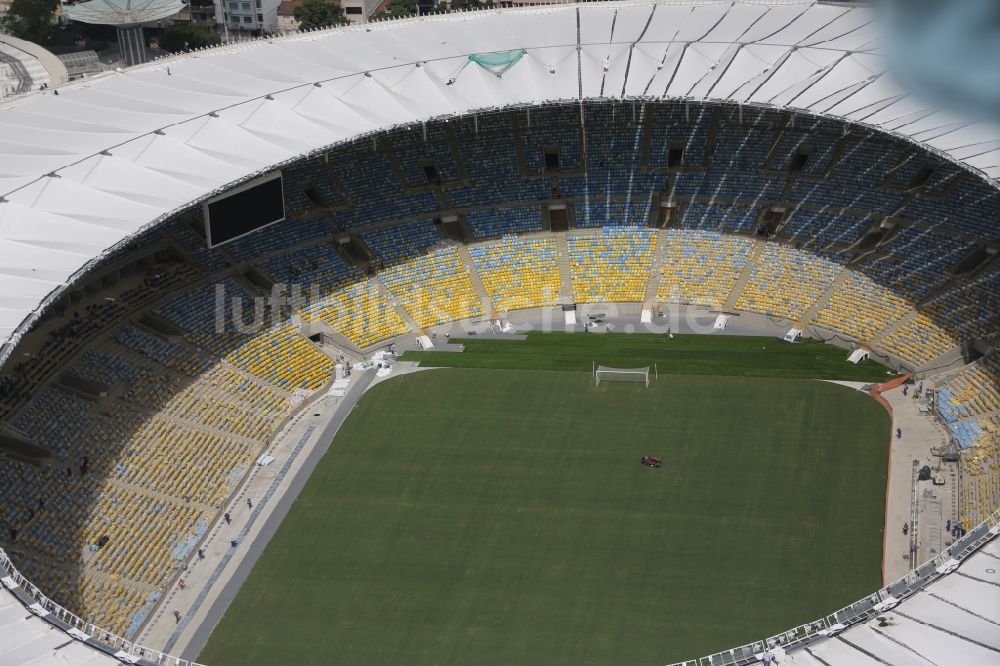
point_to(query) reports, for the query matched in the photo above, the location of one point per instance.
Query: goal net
(606, 374)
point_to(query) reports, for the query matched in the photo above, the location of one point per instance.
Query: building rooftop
(288, 7)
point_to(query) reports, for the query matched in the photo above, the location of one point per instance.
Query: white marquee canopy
(83, 170)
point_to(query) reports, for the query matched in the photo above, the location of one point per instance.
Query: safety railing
(79, 629)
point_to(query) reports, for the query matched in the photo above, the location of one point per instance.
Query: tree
(30, 20)
(471, 4)
(188, 36)
(319, 14)
(400, 9)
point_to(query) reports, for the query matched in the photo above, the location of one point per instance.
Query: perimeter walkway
(210, 584)
(923, 506)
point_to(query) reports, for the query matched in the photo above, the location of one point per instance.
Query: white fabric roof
(951, 621)
(29, 640)
(131, 147)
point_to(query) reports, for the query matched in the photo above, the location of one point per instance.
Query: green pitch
(470, 516)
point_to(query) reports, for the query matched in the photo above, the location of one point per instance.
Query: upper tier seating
(316, 271)
(316, 177)
(278, 237)
(969, 209)
(375, 191)
(821, 229)
(613, 169)
(179, 230)
(846, 180)
(435, 152)
(499, 221)
(719, 217)
(168, 354)
(535, 140)
(611, 213)
(399, 242)
(246, 335)
(970, 308)
(913, 261)
(865, 161)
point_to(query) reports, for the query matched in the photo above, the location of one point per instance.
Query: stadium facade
(766, 134)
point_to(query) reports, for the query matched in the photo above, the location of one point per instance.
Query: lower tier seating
(969, 403)
(142, 471)
(613, 265)
(360, 313)
(862, 308)
(519, 272)
(785, 282)
(701, 267)
(434, 288)
(918, 339)
(150, 464)
(283, 357)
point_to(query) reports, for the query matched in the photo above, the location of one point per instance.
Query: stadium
(312, 348)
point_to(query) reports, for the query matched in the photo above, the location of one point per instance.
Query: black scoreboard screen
(244, 210)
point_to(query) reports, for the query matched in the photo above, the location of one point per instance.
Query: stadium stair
(656, 274)
(456, 150)
(565, 275)
(397, 169)
(822, 301)
(403, 313)
(476, 280)
(167, 498)
(745, 276)
(183, 250)
(341, 341)
(893, 327)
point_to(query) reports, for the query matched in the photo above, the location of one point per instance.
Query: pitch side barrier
(78, 629)
(865, 609)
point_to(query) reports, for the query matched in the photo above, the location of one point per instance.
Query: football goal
(606, 374)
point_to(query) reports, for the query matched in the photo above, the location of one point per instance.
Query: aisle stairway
(656, 275)
(565, 276)
(745, 276)
(893, 327)
(403, 313)
(476, 280)
(822, 301)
